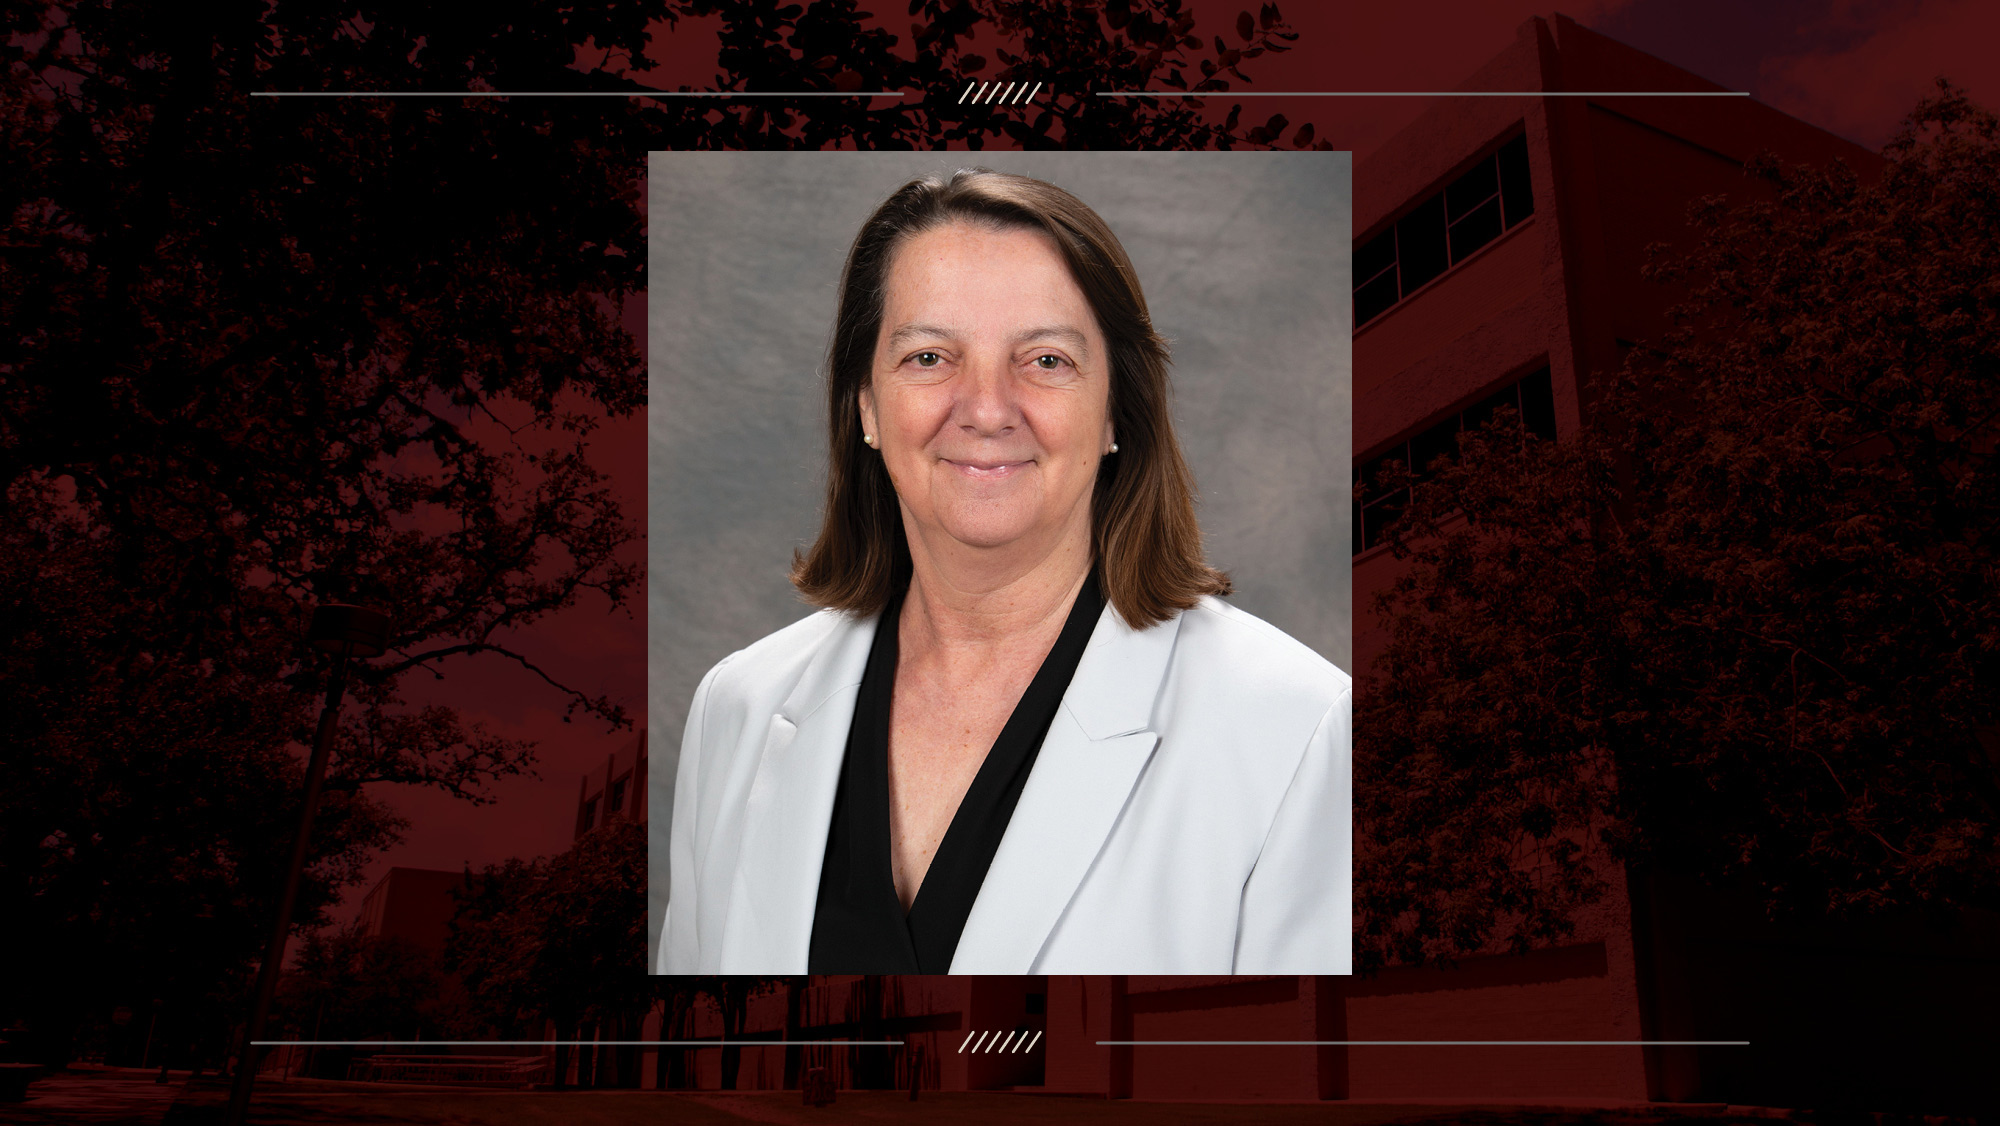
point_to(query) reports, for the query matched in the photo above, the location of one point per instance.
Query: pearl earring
(868, 438)
(1114, 447)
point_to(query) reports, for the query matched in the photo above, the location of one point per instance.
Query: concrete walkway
(97, 1095)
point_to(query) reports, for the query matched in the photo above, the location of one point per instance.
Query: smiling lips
(983, 470)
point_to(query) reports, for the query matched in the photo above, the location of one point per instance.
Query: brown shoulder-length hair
(1145, 542)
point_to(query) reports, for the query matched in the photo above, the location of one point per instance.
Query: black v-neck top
(859, 925)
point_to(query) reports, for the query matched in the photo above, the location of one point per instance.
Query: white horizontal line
(1423, 93)
(564, 1043)
(1429, 1043)
(577, 94)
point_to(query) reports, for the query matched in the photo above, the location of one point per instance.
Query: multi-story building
(1498, 254)
(615, 790)
(412, 904)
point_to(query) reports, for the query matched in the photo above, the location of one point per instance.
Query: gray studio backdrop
(1244, 261)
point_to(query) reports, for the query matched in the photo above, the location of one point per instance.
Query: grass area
(329, 1104)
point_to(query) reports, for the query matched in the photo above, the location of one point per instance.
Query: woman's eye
(927, 359)
(1048, 363)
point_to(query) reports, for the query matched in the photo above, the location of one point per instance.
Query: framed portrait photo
(999, 547)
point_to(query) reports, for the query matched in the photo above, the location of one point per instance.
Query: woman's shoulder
(773, 664)
(1235, 646)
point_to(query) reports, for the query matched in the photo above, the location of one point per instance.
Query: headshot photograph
(999, 539)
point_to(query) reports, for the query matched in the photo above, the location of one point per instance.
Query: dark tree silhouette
(560, 941)
(1743, 626)
(258, 360)
(150, 794)
(559, 944)
(347, 985)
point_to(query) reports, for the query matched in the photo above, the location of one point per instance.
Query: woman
(1024, 735)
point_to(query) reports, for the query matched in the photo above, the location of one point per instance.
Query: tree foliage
(150, 798)
(561, 939)
(1743, 625)
(347, 985)
(259, 359)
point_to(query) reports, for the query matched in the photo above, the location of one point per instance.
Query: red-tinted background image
(1674, 509)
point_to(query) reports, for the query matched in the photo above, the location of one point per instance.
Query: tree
(1742, 626)
(559, 941)
(259, 360)
(148, 807)
(348, 985)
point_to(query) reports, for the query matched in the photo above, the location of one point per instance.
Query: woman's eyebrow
(1065, 334)
(909, 332)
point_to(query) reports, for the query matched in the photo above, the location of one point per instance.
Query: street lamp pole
(344, 631)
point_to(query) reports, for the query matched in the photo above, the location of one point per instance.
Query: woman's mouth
(986, 470)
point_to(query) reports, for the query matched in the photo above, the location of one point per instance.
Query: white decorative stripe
(1000, 1041)
(998, 93)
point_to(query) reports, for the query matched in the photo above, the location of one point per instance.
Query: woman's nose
(986, 403)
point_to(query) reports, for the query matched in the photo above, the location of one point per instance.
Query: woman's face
(990, 394)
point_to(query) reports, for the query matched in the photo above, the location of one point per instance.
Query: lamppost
(344, 631)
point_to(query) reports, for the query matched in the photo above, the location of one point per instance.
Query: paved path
(121, 1095)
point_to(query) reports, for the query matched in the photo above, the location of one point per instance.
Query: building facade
(615, 790)
(412, 904)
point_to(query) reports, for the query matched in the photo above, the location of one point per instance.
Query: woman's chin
(988, 526)
(985, 536)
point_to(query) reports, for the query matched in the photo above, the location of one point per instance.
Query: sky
(1853, 67)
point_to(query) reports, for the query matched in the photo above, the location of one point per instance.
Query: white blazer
(1188, 812)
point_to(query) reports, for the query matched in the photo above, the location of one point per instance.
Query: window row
(1443, 230)
(1376, 508)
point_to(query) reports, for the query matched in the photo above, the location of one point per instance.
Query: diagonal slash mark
(993, 93)
(999, 1041)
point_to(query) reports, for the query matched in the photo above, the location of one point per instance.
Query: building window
(616, 803)
(589, 818)
(1376, 509)
(1443, 230)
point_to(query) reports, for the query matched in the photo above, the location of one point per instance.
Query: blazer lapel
(790, 809)
(1093, 755)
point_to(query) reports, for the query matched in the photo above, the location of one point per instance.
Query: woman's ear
(867, 402)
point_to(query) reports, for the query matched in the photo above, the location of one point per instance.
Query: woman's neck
(966, 606)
